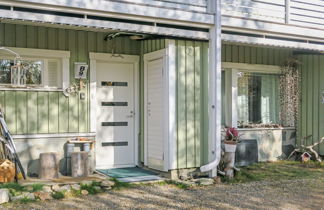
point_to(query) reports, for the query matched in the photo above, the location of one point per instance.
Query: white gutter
(214, 73)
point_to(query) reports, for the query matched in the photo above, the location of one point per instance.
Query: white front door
(155, 114)
(115, 137)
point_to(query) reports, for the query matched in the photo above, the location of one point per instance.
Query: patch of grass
(280, 170)
(92, 188)
(37, 187)
(120, 185)
(26, 200)
(58, 195)
(12, 185)
(179, 185)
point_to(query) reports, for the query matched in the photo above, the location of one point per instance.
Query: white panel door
(155, 124)
(115, 115)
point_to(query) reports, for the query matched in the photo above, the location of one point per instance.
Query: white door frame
(106, 57)
(149, 57)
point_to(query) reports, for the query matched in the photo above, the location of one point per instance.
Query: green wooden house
(159, 79)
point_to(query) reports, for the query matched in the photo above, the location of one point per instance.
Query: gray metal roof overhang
(271, 42)
(85, 23)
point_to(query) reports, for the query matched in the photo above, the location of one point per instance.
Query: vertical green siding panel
(2, 34)
(63, 114)
(190, 104)
(181, 95)
(276, 57)
(253, 55)
(265, 58)
(241, 55)
(52, 39)
(304, 101)
(82, 57)
(247, 54)
(228, 56)
(21, 99)
(310, 99)
(197, 102)
(21, 36)
(223, 53)
(271, 56)
(235, 54)
(53, 106)
(100, 38)
(32, 117)
(10, 35)
(43, 112)
(321, 106)
(61, 39)
(73, 99)
(31, 37)
(259, 58)
(11, 114)
(162, 43)
(42, 36)
(316, 97)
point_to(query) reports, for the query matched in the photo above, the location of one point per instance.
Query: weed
(12, 185)
(37, 187)
(92, 188)
(25, 200)
(179, 185)
(120, 185)
(58, 195)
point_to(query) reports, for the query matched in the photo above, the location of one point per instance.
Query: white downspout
(214, 74)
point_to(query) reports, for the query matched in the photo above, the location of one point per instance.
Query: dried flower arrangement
(231, 135)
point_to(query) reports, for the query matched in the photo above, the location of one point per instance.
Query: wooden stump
(79, 164)
(229, 160)
(48, 165)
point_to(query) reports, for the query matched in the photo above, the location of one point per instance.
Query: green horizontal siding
(311, 121)
(32, 112)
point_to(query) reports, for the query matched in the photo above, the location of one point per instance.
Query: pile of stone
(7, 195)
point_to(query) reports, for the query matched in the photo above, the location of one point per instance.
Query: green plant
(179, 185)
(12, 185)
(120, 185)
(37, 187)
(92, 188)
(25, 200)
(58, 195)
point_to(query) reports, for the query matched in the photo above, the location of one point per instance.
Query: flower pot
(230, 146)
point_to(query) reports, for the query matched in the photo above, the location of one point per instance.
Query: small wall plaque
(80, 70)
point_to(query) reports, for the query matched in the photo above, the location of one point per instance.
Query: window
(258, 98)
(37, 68)
(250, 95)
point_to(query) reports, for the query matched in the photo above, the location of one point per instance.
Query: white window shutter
(54, 77)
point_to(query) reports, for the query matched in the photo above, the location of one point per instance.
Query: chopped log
(229, 160)
(48, 165)
(80, 164)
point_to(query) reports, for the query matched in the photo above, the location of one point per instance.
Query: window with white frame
(251, 96)
(34, 68)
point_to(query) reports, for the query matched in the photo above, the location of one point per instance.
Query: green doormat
(130, 174)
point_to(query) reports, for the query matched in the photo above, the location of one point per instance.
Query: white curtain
(269, 99)
(243, 99)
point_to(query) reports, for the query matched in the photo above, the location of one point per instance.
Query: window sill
(262, 129)
(30, 88)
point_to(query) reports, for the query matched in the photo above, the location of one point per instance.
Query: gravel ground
(293, 194)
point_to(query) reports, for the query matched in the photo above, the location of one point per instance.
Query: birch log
(79, 164)
(49, 165)
(229, 160)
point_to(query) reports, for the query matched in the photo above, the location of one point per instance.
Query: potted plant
(231, 139)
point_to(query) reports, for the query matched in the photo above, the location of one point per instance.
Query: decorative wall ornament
(290, 92)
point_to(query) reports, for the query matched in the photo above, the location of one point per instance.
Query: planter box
(230, 146)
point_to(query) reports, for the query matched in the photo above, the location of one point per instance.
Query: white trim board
(252, 67)
(57, 135)
(133, 59)
(166, 130)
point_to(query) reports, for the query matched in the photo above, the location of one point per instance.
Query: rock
(65, 188)
(107, 184)
(205, 181)
(84, 192)
(29, 188)
(4, 196)
(56, 187)
(86, 182)
(43, 195)
(106, 188)
(47, 189)
(25, 195)
(218, 180)
(76, 187)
